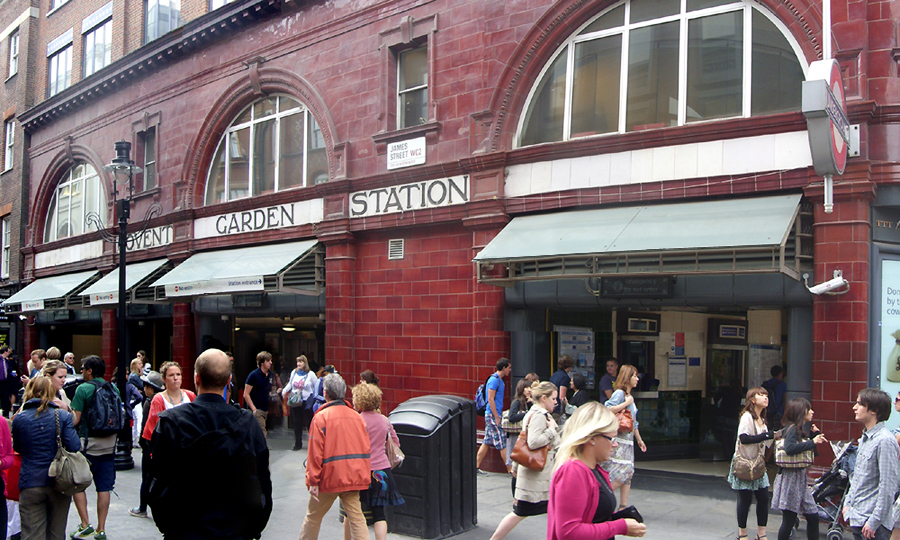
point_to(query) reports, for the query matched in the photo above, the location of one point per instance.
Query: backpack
(481, 398)
(106, 413)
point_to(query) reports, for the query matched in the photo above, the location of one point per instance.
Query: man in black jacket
(210, 464)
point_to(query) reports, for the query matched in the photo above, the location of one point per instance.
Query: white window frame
(419, 88)
(102, 31)
(9, 145)
(5, 251)
(13, 53)
(150, 157)
(53, 64)
(216, 4)
(308, 146)
(148, 37)
(568, 48)
(69, 181)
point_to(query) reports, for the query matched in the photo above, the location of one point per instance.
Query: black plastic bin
(437, 479)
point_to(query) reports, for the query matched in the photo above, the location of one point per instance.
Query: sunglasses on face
(608, 438)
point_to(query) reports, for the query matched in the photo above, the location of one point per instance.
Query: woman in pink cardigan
(581, 499)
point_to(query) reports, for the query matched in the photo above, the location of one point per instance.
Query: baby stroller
(831, 488)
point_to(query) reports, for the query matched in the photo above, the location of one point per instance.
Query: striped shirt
(874, 481)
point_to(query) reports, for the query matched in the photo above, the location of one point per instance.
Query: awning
(56, 292)
(294, 267)
(137, 276)
(763, 234)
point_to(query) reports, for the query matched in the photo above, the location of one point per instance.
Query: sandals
(758, 537)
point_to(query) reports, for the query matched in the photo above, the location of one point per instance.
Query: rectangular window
(715, 67)
(98, 48)
(10, 145)
(216, 4)
(149, 139)
(412, 87)
(653, 77)
(59, 74)
(5, 253)
(56, 4)
(13, 53)
(161, 16)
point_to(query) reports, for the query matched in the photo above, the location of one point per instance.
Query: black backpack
(105, 414)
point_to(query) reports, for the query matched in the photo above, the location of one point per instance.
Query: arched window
(647, 64)
(78, 194)
(273, 145)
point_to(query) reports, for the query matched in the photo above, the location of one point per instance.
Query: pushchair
(831, 488)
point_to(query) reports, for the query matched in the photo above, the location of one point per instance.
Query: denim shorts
(104, 470)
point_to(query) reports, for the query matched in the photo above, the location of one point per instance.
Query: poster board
(762, 358)
(578, 342)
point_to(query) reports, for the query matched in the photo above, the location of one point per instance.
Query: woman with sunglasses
(581, 497)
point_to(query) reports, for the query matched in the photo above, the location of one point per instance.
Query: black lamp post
(122, 165)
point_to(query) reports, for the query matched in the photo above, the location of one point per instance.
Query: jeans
(882, 533)
(43, 512)
(318, 507)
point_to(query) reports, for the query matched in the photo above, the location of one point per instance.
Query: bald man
(210, 464)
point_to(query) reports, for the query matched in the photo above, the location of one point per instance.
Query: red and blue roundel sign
(826, 117)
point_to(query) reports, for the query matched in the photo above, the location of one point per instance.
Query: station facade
(420, 188)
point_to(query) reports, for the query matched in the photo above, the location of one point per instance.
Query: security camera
(835, 283)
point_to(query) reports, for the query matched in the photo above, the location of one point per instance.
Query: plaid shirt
(874, 481)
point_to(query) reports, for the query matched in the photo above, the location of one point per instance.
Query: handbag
(626, 422)
(507, 426)
(70, 469)
(392, 450)
(534, 459)
(798, 461)
(748, 469)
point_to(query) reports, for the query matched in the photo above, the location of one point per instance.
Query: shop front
(703, 312)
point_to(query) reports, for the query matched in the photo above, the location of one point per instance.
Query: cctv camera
(836, 283)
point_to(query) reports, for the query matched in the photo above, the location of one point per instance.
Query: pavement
(674, 506)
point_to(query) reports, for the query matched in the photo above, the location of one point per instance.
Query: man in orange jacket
(337, 462)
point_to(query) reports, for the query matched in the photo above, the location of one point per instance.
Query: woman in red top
(172, 397)
(581, 499)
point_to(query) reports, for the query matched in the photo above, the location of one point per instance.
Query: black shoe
(297, 447)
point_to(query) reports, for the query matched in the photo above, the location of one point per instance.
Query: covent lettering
(428, 194)
(259, 219)
(151, 238)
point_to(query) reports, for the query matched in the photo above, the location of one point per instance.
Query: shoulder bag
(507, 426)
(391, 449)
(71, 470)
(747, 469)
(798, 461)
(522, 454)
(626, 422)
(294, 399)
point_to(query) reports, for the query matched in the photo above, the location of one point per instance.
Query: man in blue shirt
(257, 388)
(608, 381)
(493, 435)
(874, 482)
(562, 381)
(777, 390)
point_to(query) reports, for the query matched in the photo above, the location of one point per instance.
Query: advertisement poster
(578, 343)
(890, 331)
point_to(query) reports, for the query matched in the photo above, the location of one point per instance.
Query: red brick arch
(260, 83)
(64, 160)
(801, 17)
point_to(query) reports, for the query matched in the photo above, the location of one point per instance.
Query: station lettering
(420, 195)
(151, 238)
(259, 219)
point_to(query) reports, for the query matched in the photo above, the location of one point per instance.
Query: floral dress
(621, 466)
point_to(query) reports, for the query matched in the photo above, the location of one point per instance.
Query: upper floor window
(98, 48)
(9, 147)
(412, 87)
(649, 64)
(161, 16)
(14, 53)
(59, 74)
(216, 4)
(78, 194)
(56, 4)
(5, 235)
(273, 145)
(148, 157)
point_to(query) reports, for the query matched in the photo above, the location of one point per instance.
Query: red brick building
(634, 181)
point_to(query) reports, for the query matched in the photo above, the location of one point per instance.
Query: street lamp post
(122, 165)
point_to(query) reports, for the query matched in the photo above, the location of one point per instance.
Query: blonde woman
(581, 497)
(533, 487)
(621, 466)
(301, 383)
(55, 370)
(136, 369)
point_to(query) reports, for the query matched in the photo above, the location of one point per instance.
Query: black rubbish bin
(437, 479)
